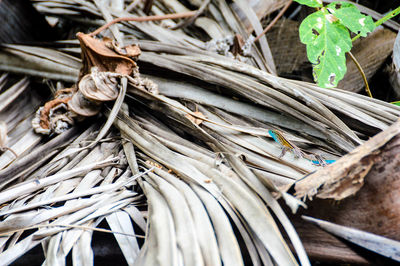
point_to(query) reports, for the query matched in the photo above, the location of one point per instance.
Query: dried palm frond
(199, 151)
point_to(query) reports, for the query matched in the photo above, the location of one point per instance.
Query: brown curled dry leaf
(197, 120)
(54, 115)
(44, 114)
(97, 53)
(346, 176)
(103, 63)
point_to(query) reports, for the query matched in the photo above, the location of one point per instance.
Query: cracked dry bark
(346, 176)
(374, 208)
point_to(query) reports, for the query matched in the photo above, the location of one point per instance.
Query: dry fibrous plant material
(104, 63)
(197, 172)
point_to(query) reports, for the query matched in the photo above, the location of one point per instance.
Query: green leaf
(327, 43)
(396, 103)
(310, 3)
(349, 15)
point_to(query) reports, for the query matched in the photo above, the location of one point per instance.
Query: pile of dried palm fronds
(192, 167)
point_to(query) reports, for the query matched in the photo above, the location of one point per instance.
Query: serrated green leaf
(327, 43)
(349, 15)
(310, 3)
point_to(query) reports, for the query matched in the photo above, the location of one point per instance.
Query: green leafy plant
(326, 34)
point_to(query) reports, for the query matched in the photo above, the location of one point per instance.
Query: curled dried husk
(84, 106)
(59, 120)
(107, 63)
(36, 123)
(94, 89)
(99, 86)
(54, 115)
(62, 122)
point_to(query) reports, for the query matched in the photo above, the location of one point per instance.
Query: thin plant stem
(283, 10)
(388, 16)
(362, 74)
(144, 18)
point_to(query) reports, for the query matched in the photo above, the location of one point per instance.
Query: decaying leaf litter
(198, 169)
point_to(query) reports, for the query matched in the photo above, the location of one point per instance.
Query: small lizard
(287, 145)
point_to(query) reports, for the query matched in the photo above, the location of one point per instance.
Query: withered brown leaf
(96, 53)
(103, 63)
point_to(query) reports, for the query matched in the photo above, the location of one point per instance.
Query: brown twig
(283, 10)
(362, 74)
(141, 19)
